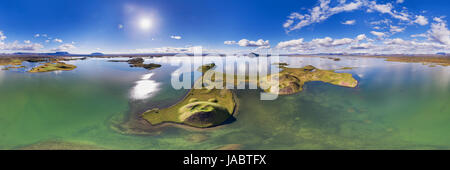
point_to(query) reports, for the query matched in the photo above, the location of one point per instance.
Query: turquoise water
(395, 106)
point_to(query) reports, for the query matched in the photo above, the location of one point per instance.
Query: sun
(145, 23)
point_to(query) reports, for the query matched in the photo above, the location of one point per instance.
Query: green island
(291, 80)
(200, 108)
(205, 107)
(10, 61)
(209, 107)
(281, 65)
(206, 67)
(346, 68)
(138, 62)
(49, 63)
(53, 66)
(12, 67)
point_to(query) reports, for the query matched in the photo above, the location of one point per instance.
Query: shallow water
(395, 106)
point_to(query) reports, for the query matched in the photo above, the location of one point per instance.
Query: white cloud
(57, 40)
(2, 36)
(400, 1)
(439, 32)
(318, 14)
(318, 43)
(378, 34)
(15, 46)
(396, 29)
(120, 26)
(229, 42)
(419, 35)
(37, 35)
(247, 43)
(388, 9)
(377, 27)
(175, 37)
(361, 37)
(343, 41)
(380, 22)
(349, 22)
(258, 43)
(361, 46)
(290, 43)
(64, 47)
(405, 44)
(188, 49)
(383, 8)
(388, 46)
(324, 10)
(47, 41)
(421, 20)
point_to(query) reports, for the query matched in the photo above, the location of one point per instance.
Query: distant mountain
(97, 54)
(55, 53)
(59, 53)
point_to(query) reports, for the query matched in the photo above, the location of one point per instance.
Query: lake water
(395, 106)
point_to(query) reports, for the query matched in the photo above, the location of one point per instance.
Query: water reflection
(145, 87)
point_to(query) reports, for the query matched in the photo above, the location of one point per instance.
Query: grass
(53, 66)
(208, 106)
(200, 108)
(10, 61)
(204, 68)
(443, 61)
(291, 80)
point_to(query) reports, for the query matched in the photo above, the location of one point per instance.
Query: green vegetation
(52, 66)
(432, 61)
(13, 67)
(291, 80)
(346, 68)
(206, 67)
(138, 62)
(60, 145)
(10, 61)
(208, 106)
(150, 66)
(200, 108)
(334, 59)
(281, 65)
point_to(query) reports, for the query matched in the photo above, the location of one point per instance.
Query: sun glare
(145, 23)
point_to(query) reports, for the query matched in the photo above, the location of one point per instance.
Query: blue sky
(293, 26)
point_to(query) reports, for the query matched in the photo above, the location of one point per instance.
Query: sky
(225, 26)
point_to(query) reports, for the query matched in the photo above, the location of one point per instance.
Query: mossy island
(200, 108)
(204, 68)
(48, 63)
(52, 66)
(281, 65)
(209, 107)
(138, 62)
(291, 80)
(10, 61)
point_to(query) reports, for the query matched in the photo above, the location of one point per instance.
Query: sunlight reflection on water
(145, 87)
